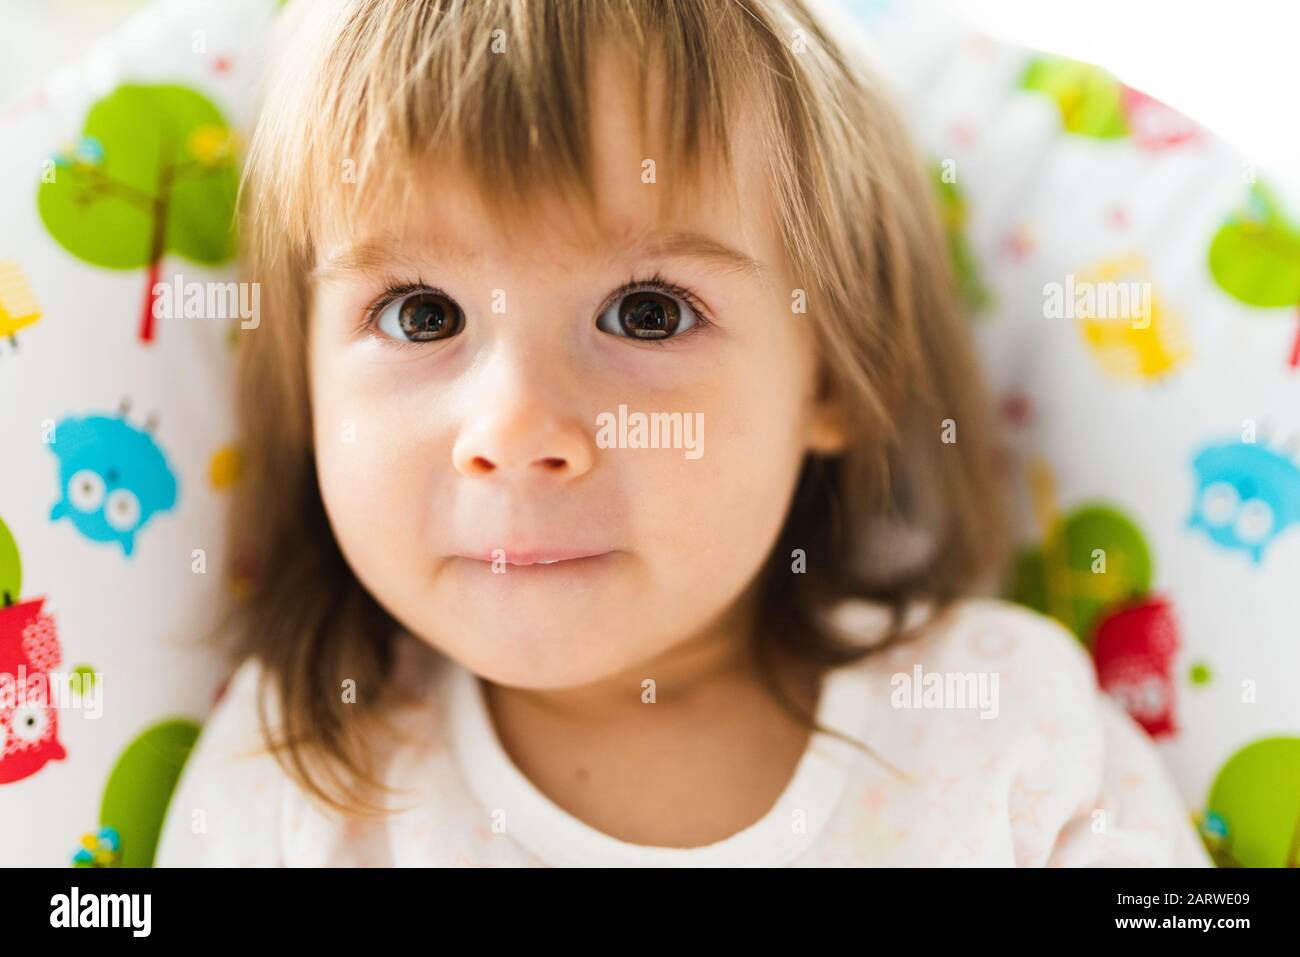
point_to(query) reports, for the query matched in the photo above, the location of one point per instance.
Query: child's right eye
(424, 315)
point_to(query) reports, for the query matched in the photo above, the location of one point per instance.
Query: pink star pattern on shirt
(873, 799)
(1026, 812)
(1049, 730)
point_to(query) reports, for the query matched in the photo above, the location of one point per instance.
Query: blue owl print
(113, 478)
(1246, 496)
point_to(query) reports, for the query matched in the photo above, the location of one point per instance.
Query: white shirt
(1053, 774)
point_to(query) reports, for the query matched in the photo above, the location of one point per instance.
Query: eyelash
(394, 291)
(657, 283)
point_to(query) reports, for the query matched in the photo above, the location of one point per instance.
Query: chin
(537, 647)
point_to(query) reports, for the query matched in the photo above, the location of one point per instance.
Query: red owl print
(1134, 650)
(1154, 125)
(29, 731)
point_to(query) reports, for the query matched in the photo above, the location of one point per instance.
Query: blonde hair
(380, 88)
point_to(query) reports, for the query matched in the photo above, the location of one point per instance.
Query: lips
(521, 557)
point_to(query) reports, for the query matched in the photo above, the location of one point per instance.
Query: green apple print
(11, 568)
(1255, 257)
(1252, 818)
(1091, 561)
(153, 173)
(141, 784)
(952, 206)
(1090, 99)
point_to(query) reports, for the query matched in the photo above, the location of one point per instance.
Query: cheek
(371, 470)
(710, 522)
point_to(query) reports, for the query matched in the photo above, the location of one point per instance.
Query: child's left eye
(649, 314)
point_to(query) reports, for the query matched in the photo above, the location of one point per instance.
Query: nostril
(480, 464)
(553, 464)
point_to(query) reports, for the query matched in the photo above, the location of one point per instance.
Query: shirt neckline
(559, 838)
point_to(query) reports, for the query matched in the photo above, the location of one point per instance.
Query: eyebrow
(688, 245)
(376, 254)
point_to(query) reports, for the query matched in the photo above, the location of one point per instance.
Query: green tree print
(154, 173)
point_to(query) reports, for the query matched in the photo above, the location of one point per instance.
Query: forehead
(638, 197)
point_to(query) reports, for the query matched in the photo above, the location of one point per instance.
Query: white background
(1233, 65)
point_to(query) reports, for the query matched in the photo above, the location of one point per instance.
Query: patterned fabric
(117, 197)
(1134, 285)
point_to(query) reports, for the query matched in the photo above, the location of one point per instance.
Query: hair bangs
(389, 93)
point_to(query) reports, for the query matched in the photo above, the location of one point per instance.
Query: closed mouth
(525, 558)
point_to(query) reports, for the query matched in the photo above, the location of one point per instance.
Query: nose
(518, 440)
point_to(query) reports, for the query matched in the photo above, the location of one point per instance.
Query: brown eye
(647, 314)
(421, 317)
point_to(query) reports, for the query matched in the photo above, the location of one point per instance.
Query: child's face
(484, 439)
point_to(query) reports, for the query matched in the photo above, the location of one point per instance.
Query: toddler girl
(618, 482)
